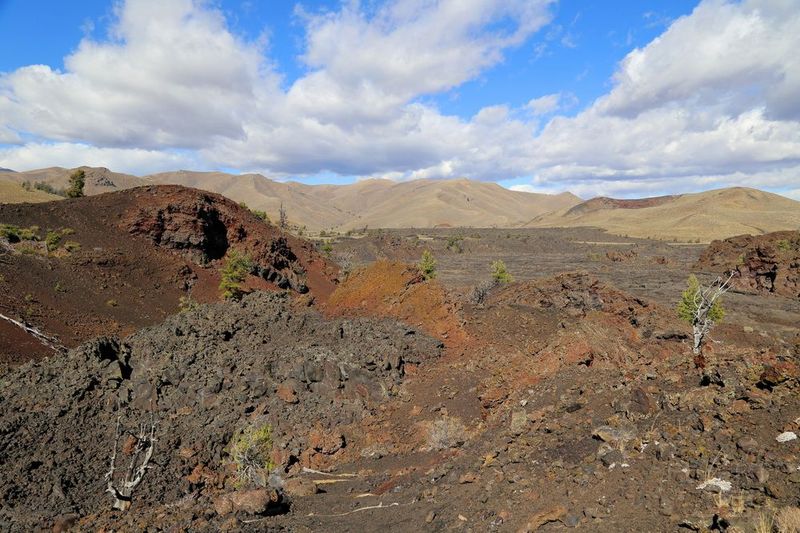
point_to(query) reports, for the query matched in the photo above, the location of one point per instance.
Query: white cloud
(171, 75)
(731, 56)
(704, 103)
(69, 155)
(544, 104)
(712, 101)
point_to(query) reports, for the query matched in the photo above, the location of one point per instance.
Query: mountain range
(376, 203)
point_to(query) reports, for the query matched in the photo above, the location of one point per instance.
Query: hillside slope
(258, 192)
(123, 260)
(13, 193)
(706, 216)
(98, 179)
(378, 203)
(456, 203)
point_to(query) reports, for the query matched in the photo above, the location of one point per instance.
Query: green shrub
(250, 451)
(327, 249)
(455, 244)
(186, 304)
(16, 234)
(67, 231)
(427, 265)
(59, 288)
(77, 180)
(260, 214)
(9, 232)
(27, 249)
(690, 302)
(237, 267)
(52, 240)
(112, 303)
(72, 246)
(784, 245)
(46, 187)
(500, 273)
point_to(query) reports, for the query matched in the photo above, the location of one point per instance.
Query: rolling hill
(98, 179)
(378, 203)
(715, 214)
(13, 193)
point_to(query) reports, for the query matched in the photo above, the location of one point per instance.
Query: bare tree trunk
(122, 489)
(698, 339)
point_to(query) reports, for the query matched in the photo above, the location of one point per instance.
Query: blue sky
(614, 97)
(577, 53)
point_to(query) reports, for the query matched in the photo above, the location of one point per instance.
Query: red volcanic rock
(762, 263)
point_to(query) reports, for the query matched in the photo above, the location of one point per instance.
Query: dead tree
(122, 487)
(282, 217)
(700, 306)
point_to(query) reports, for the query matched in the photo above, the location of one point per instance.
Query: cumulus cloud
(173, 76)
(712, 101)
(70, 155)
(544, 104)
(705, 103)
(170, 75)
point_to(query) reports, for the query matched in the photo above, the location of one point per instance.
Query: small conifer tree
(76, 182)
(701, 307)
(237, 267)
(499, 272)
(427, 265)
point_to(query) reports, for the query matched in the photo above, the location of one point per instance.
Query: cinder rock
(287, 393)
(65, 523)
(613, 435)
(748, 445)
(256, 501)
(519, 421)
(543, 517)
(469, 477)
(298, 486)
(612, 457)
(326, 443)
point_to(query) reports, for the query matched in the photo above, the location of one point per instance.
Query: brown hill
(98, 179)
(379, 203)
(115, 262)
(302, 207)
(456, 203)
(709, 215)
(13, 193)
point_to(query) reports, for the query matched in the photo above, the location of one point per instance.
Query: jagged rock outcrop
(201, 376)
(763, 263)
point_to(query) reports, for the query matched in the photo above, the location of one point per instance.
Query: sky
(616, 98)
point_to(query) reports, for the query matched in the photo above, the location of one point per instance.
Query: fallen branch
(50, 342)
(312, 471)
(367, 508)
(328, 481)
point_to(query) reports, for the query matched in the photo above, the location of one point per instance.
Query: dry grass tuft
(788, 520)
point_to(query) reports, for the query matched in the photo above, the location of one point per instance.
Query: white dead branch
(704, 300)
(50, 342)
(122, 489)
